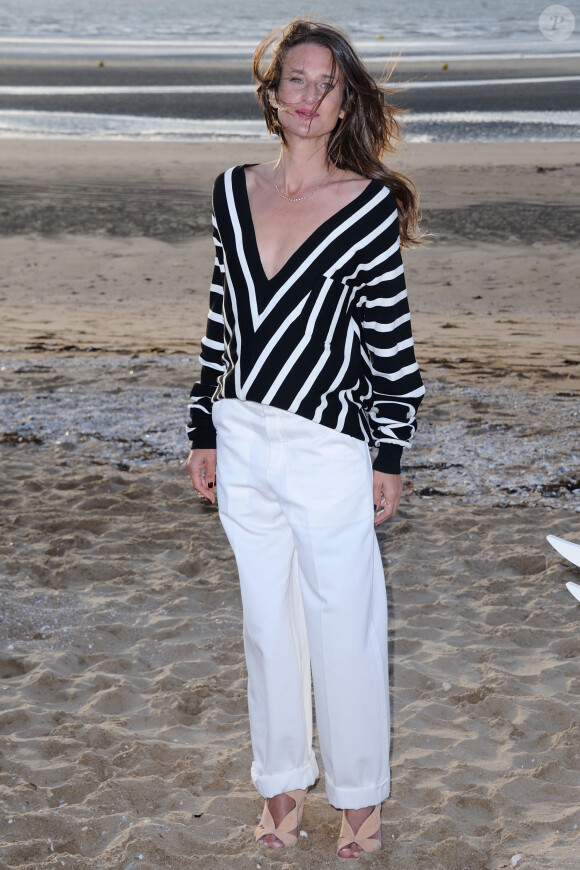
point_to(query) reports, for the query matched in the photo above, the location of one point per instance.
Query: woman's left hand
(387, 490)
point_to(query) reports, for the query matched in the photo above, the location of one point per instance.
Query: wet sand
(408, 77)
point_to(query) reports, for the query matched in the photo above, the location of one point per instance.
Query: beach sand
(123, 720)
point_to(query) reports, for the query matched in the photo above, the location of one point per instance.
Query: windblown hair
(369, 127)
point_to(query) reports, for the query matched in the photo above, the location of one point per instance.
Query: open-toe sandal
(363, 838)
(289, 823)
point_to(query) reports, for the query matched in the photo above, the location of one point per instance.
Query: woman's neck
(302, 166)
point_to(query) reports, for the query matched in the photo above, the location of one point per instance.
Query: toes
(271, 842)
(350, 851)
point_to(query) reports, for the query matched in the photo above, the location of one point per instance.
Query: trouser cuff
(271, 784)
(356, 798)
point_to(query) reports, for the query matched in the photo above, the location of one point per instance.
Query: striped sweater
(328, 337)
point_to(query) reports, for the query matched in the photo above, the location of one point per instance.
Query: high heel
(363, 838)
(290, 821)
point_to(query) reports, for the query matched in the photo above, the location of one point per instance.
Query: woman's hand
(201, 469)
(387, 490)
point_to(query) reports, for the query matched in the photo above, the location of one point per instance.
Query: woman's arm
(396, 380)
(201, 462)
(201, 431)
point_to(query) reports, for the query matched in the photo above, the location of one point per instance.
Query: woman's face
(306, 78)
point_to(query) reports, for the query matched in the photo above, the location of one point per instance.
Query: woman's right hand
(200, 466)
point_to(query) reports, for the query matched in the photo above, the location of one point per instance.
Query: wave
(468, 126)
(378, 50)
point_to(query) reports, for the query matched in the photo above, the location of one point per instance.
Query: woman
(308, 359)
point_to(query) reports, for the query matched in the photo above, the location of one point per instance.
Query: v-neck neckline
(309, 242)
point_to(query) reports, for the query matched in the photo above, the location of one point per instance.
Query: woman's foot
(360, 832)
(278, 827)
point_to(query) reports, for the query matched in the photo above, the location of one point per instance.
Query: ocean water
(142, 30)
(134, 26)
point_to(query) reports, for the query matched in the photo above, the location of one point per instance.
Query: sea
(151, 35)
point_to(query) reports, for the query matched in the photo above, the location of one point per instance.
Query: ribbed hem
(356, 798)
(205, 440)
(388, 461)
(271, 784)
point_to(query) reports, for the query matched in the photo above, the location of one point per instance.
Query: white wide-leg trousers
(295, 500)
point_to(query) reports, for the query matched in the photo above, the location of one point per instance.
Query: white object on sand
(567, 549)
(571, 552)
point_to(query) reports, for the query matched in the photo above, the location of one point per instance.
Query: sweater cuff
(203, 440)
(388, 459)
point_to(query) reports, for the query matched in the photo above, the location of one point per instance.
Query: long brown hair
(369, 127)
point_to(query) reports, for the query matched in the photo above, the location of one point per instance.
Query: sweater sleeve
(397, 388)
(201, 431)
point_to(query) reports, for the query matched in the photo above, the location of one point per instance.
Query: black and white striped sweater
(328, 337)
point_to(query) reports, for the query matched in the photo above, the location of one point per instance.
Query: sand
(123, 721)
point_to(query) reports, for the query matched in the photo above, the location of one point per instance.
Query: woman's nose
(310, 92)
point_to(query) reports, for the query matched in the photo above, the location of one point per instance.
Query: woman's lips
(303, 113)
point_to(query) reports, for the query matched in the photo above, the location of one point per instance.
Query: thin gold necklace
(295, 198)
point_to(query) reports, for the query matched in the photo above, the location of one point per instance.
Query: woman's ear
(272, 99)
(345, 104)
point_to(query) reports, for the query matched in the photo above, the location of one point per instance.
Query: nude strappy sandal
(364, 836)
(288, 823)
